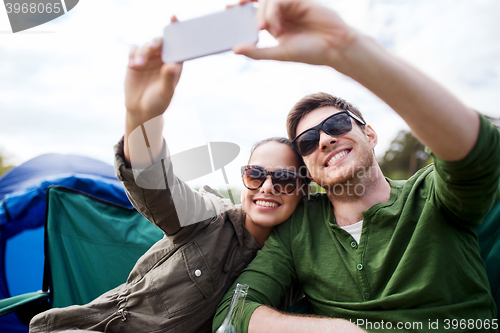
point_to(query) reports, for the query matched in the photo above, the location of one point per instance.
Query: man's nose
(326, 140)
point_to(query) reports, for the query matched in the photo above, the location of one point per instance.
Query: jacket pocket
(184, 280)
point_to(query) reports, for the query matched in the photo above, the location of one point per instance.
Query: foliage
(404, 157)
(494, 121)
(4, 165)
(315, 188)
(235, 194)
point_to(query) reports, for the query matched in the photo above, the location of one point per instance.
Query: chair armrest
(11, 304)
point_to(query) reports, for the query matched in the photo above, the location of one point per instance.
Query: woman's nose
(268, 186)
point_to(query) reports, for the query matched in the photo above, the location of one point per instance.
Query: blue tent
(22, 214)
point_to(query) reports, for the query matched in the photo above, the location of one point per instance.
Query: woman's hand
(306, 31)
(149, 83)
(149, 88)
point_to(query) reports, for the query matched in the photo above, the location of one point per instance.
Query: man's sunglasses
(336, 125)
(284, 181)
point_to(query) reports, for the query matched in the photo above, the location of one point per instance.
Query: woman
(177, 285)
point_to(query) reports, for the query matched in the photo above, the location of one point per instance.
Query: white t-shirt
(354, 230)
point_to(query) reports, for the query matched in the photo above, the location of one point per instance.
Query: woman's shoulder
(207, 190)
(223, 205)
(228, 212)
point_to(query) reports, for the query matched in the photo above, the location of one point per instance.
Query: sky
(61, 83)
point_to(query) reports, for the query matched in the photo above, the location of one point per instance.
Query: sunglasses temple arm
(227, 183)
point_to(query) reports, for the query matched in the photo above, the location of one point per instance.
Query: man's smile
(336, 155)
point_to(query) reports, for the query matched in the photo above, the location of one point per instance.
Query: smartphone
(210, 34)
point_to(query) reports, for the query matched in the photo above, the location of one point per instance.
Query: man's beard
(350, 182)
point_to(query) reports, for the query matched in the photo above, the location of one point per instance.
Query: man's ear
(371, 135)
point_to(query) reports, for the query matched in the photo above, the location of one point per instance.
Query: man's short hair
(315, 101)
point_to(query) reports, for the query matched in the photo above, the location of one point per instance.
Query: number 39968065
(33, 8)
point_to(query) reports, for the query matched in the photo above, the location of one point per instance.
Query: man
(414, 262)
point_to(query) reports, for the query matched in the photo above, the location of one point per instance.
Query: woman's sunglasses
(336, 125)
(284, 180)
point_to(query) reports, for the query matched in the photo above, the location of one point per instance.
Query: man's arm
(310, 33)
(437, 118)
(467, 189)
(265, 319)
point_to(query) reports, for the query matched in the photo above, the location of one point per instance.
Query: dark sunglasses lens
(337, 125)
(284, 182)
(253, 178)
(307, 142)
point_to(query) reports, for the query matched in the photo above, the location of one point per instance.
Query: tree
(494, 121)
(404, 157)
(4, 166)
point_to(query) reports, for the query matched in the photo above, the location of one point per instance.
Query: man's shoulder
(311, 207)
(310, 216)
(315, 197)
(484, 154)
(419, 184)
(315, 201)
(422, 175)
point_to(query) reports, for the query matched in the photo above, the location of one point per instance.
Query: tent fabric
(22, 189)
(45, 166)
(25, 208)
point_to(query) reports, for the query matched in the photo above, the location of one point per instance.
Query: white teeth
(336, 157)
(266, 203)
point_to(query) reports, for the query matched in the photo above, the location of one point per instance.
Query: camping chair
(489, 242)
(91, 246)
